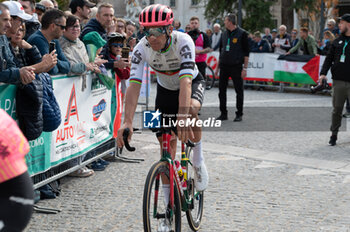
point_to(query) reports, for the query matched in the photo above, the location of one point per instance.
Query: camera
(320, 86)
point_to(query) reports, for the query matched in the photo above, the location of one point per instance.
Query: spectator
(209, 33)
(121, 66)
(202, 44)
(33, 24)
(48, 4)
(104, 18)
(215, 39)
(338, 61)
(327, 41)
(53, 26)
(267, 35)
(188, 28)
(81, 9)
(74, 49)
(234, 53)
(273, 35)
(282, 42)
(113, 27)
(18, 16)
(130, 29)
(307, 42)
(39, 10)
(294, 40)
(332, 27)
(140, 33)
(9, 73)
(26, 54)
(121, 26)
(177, 26)
(55, 4)
(260, 45)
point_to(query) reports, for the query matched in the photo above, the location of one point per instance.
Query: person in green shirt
(307, 42)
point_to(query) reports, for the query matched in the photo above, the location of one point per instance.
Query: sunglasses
(119, 45)
(61, 26)
(156, 31)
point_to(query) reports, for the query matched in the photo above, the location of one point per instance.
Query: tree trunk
(287, 14)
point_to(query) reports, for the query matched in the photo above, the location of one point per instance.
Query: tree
(256, 14)
(309, 13)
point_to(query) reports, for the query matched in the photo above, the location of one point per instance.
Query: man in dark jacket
(103, 20)
(234, 54)
(53, 25)
(260, 45)
(338, 59)
(9, 72)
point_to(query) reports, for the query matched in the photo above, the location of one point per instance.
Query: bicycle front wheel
(209, 77)
(195, 208)
(157, 215)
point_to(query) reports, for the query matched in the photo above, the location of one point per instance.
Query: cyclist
(180, 87)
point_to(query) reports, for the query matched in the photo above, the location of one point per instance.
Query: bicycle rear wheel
(209, 77)
(154, 209)
(195, 209)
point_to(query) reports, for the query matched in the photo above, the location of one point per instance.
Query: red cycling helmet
(156, 15)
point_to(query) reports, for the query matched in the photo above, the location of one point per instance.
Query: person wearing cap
(33, 24)
(338, 60)
(39, 10)
(260, 45)
(10, 73)
(332, 27)
(82, 10)
(53, 26)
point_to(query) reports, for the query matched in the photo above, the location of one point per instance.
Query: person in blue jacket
(53, 26)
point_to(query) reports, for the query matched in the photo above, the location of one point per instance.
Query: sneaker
(103, 162)
(333, 140)
(346, 115)
(163, 226)
(201, 177)
(97, 166)
(238, 118)
(222, 117)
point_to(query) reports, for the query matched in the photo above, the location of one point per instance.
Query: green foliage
(63, 4)
(258, 15)
(257, 12)
(307, 5)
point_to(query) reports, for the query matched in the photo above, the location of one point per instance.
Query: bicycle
(183, 194)
(209, 77)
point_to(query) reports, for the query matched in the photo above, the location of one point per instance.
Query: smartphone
(125, 52)
(52, 46)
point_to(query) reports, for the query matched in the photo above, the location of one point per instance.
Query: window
(172, 3)
(195, 2)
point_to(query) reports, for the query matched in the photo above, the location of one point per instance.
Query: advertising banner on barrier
(261, 66)
(86, 119)
(86, 116)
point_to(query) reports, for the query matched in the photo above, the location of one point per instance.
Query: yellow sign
(234, 40)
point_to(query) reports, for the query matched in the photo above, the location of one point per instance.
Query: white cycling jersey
(171, 65)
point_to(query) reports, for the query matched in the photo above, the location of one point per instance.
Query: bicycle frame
(173, 175)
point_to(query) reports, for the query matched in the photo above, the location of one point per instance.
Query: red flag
(312, 68)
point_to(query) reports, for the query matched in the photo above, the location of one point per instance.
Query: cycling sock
(198, 154)
(166, 191)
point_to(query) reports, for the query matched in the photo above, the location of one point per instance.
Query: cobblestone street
(259, 181)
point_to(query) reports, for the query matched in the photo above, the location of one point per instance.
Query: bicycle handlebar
(126, 142)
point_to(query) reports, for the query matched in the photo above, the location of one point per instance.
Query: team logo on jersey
(151, 119)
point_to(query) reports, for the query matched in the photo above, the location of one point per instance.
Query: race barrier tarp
(86, 121)
(271, 67)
